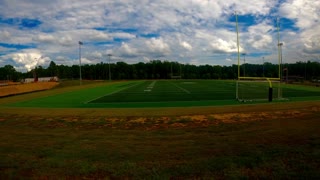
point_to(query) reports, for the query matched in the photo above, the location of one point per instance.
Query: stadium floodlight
(35, 77)
(109, 55)
(280, 55)
(263, 66)
(80, 43)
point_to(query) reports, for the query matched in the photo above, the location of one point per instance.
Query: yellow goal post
(258, 88)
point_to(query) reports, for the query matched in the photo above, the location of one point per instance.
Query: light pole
(280, 50)
(80, 43)
(109, 55)
(305, 70)
(171, 70)
(238, 48)
(244, 60)
(238, 54)
(263, 66)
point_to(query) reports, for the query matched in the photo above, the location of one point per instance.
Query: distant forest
(157, 69)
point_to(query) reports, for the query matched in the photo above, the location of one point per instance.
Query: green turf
(166, 91)
(161, 93)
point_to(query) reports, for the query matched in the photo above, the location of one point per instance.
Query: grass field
(161, 93)
(276, 145)
(65, 133)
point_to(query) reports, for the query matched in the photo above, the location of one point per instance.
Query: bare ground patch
(25, 88)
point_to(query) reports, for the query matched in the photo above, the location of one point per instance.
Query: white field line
(150, 87)
(112, 92)
(183, 89)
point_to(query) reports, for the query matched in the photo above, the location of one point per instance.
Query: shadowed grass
(157, 148)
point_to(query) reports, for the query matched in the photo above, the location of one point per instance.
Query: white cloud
(186, 45)
(127, 51)
(192, 30)
(98, 36)
(4, 35)
(259, 37)
(29, 59)
(222, 46)
(158, 47)
(123, 35)
(305, 12)
(311, 40)
(45, 38)
(66, 41)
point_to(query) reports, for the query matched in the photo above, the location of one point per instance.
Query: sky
(35, 32)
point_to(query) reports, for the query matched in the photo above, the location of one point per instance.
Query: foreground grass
(284, 145)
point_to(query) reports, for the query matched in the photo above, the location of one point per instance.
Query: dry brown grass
(25, 88)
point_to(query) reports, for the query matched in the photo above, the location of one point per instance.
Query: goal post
(258, 89)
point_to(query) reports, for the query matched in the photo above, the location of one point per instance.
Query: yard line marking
(183, 89)
(150, 87)
(114, 92)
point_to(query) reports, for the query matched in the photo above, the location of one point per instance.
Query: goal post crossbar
(267, 80)
(258, 78)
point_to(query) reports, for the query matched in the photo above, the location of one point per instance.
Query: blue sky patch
(29, 23)
(100, 28)
(9, 21)
(287, 24)
(126, 30)
(151, 35)
(17, 46)
(101, 43)
(22, 23)
(120, 39)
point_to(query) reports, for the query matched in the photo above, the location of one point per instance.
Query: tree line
(157, 69)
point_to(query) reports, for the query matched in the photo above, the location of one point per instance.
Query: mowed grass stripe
(183, 89)
(127, 86)
(173, 90)
(73, 99)
(143, 93)
(164, 93)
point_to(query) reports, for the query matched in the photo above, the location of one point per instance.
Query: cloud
(66, 41)
(5, 35)
(194, 31)
(98, 36)
(127, 51)
(186, 45)
(45, 38)
(28, 59)
(123, 35)
(304, 12)
(222, 46)
(158, 47)
(259, 37)
(311, 40)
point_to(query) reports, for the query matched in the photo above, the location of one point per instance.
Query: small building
(41, 79)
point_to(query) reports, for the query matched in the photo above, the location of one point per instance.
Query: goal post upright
(279, 57)
(237, 94)
(242, 82)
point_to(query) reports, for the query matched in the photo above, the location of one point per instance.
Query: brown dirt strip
(25, 88)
